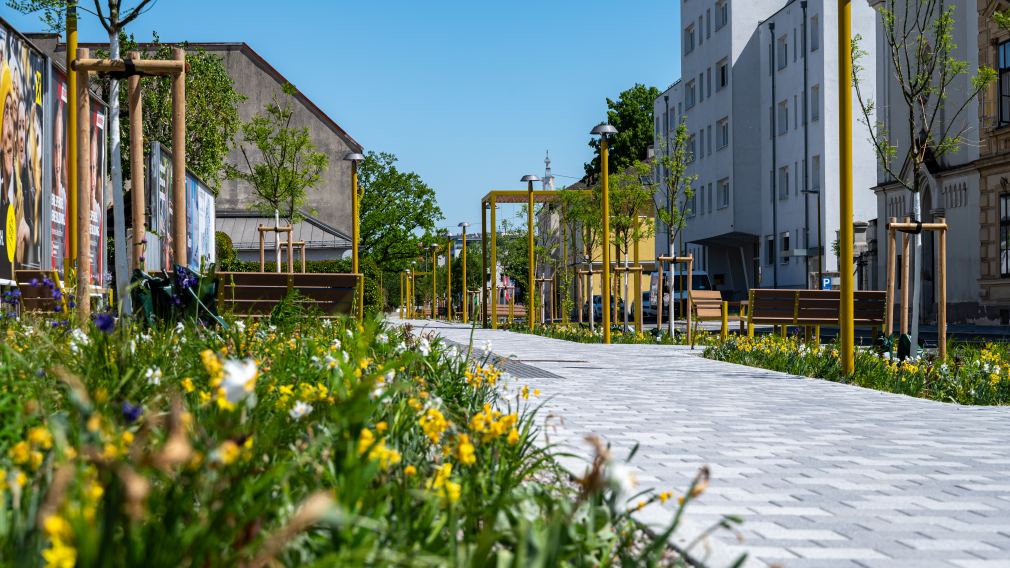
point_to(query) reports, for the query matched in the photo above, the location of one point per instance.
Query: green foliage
(281, 161)
(212, 119)
(224, 251)
(51, 12)
(397, 210)
(581, 333)
(632, 204)
(672, 159)
(303, 442)
(631, 114)
(971, 374)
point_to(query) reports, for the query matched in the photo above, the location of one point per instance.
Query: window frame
(1003, 84)
(815, 33)
(721, 74)
(721, 14)
(723, 192)
(1004, 235)
(722, 133)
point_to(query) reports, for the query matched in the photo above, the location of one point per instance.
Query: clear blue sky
(469, 94)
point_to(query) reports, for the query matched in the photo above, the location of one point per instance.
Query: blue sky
(469, 94)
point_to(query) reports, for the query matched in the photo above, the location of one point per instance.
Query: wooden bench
(258, 293)
(38, 297)
(812, 308)
(708, 305)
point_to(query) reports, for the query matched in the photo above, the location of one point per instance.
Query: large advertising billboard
(23, 94)
(199, 215)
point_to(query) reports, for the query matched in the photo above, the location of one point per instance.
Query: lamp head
(463, 225)
(353, 157)
(530, 177)
(603, 130)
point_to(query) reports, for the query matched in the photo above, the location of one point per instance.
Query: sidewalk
(824, 474)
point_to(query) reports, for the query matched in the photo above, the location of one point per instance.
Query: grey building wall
(260, 82)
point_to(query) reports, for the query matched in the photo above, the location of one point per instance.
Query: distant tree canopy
(631, 115)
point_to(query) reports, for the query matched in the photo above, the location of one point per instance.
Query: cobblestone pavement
(824, 474)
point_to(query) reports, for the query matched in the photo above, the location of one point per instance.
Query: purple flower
(132, 412)
(34, 282)
(105, 323)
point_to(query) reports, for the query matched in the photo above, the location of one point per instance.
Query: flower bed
(308, 442)
(971, 374)
(582, 334)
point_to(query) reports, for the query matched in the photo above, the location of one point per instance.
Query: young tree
(919, 44)
(631, 202)
(397, 207)
(670, 164)
(631, 114)
(285, 165)
(582, 212)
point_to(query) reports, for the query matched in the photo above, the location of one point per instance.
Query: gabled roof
(263, 65)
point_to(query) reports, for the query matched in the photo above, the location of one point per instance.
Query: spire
(548, 177)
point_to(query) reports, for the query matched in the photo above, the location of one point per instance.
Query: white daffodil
(78, 338)
(180, 328)
(390, 375)
(336, 344)
(240, 326)
(487, 346)
(299, 410)
(382, 339)
(239, 379)
(153, 375)
(423, 346)
(621, 479)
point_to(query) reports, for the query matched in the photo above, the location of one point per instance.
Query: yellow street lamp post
(354, 158)
(448, 279)
(603, 131)
(529, 179)
(434, 281)
(466, 298)
(846, 311)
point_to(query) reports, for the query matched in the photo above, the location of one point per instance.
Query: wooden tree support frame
(689, 261)
(542, 283)
(638, 292)
(133, 67)
(263, 229)
(908, 228)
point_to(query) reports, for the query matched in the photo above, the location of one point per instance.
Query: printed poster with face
(23, 96)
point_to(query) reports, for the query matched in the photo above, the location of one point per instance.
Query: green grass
(309, 442)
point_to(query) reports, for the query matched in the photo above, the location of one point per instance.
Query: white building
(749, 71)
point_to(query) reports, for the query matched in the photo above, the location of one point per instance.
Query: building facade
(756, 98)
(951, 186)
(259, 83)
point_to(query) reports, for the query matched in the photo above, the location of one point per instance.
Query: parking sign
(826, 283)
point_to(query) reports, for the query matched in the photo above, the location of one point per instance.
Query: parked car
(648, 308)
(598, 308)
(699, 281)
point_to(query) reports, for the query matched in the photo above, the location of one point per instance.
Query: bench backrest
(814, 306)
(707, 304)
(37, 297)
(257, 293)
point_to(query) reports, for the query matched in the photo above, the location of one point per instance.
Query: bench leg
(817, 334)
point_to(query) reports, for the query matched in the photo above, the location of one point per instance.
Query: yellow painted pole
(434, 282)
(605, 206)
(71, 135)
(532, 261)
(845, 313)
(355, 238)
(448, 281)
(466, 298)
(492, 304)
(638, 290)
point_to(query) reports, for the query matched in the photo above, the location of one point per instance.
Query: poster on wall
(199, 215)
(59, 201)
(23, 94)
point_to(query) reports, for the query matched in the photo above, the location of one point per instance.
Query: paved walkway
(824, 474)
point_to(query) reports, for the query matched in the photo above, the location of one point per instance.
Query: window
(783, 182)
(770, 249)
(815, 103)
(1004, 235)
(689, 95)
(796, 115)
(657, 126)
(701, 87)
(708, 23)
(815, 33)
(722, 133)
(795, 43)
(783, 118)
(723, 193)
(708, 82)
(721, 14)
(771, 122)
(721, 74)
(691, 205)
(701, 209)
(785, 247)
(701, 141)
(783, 52)
(710, 199)
(709, 147)
(690, 148)
(1004, 83)
(815, 172)
(688, 39)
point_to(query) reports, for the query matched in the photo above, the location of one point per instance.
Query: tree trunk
(671, 282)
(118, 207)
(592, 316)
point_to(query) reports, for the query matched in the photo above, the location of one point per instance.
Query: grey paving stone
(824, 474)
